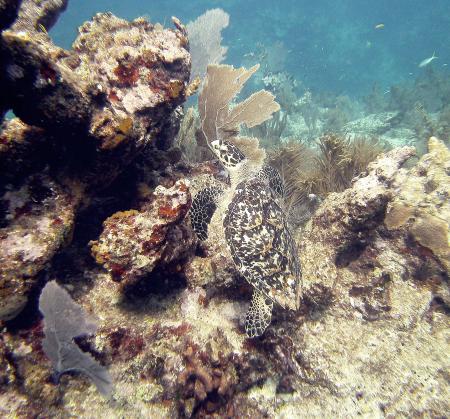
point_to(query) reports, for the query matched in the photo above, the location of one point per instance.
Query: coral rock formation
(370, 337)
(389, 306)
(83, 116)
(35, 220)
(346, 218)
(110, 95)
(422, 207)
(21, 149)
(133, 242)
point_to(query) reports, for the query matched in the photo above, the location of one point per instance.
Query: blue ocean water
(328, 45)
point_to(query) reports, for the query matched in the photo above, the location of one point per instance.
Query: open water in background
(332, 45)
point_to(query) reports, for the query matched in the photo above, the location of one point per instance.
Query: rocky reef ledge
(85, 115)
(95, 194)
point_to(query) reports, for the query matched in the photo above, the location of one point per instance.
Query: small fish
(379, 26)
(427, 61)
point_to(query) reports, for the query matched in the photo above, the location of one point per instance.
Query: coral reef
(210, 382)
(373, 302)
(96, 160)
(111, 93)
(95, 107)
(22, 148)
(374, 124)
(358, 210)
(422, 205)
(380, 276)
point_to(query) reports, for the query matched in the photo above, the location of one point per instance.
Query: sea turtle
(258, 237)
(262, 248)
(263, 251)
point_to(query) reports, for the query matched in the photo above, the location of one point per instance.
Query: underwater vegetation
(421, 106)
(64, 321)
(205, 41)
(279, 253)
(310, 174)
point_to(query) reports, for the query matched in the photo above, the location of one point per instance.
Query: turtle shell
(260, 243)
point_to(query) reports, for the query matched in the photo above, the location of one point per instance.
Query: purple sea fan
(63, 321)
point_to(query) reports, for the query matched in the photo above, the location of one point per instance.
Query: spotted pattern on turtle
(261, 245)
(202, 209)
(228, 153)
(258, 315)
(272, 177)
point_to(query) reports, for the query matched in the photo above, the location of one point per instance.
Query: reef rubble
(95, 194)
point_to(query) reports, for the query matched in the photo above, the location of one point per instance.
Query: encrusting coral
(37, 218)
(134, 242)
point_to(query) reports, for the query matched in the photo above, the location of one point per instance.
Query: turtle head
(228, 154)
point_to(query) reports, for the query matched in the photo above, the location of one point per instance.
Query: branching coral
(331, 168)
(340, 160)
(211, 383)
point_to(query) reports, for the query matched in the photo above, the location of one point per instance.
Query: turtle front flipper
(202, 209)
(258, 315)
